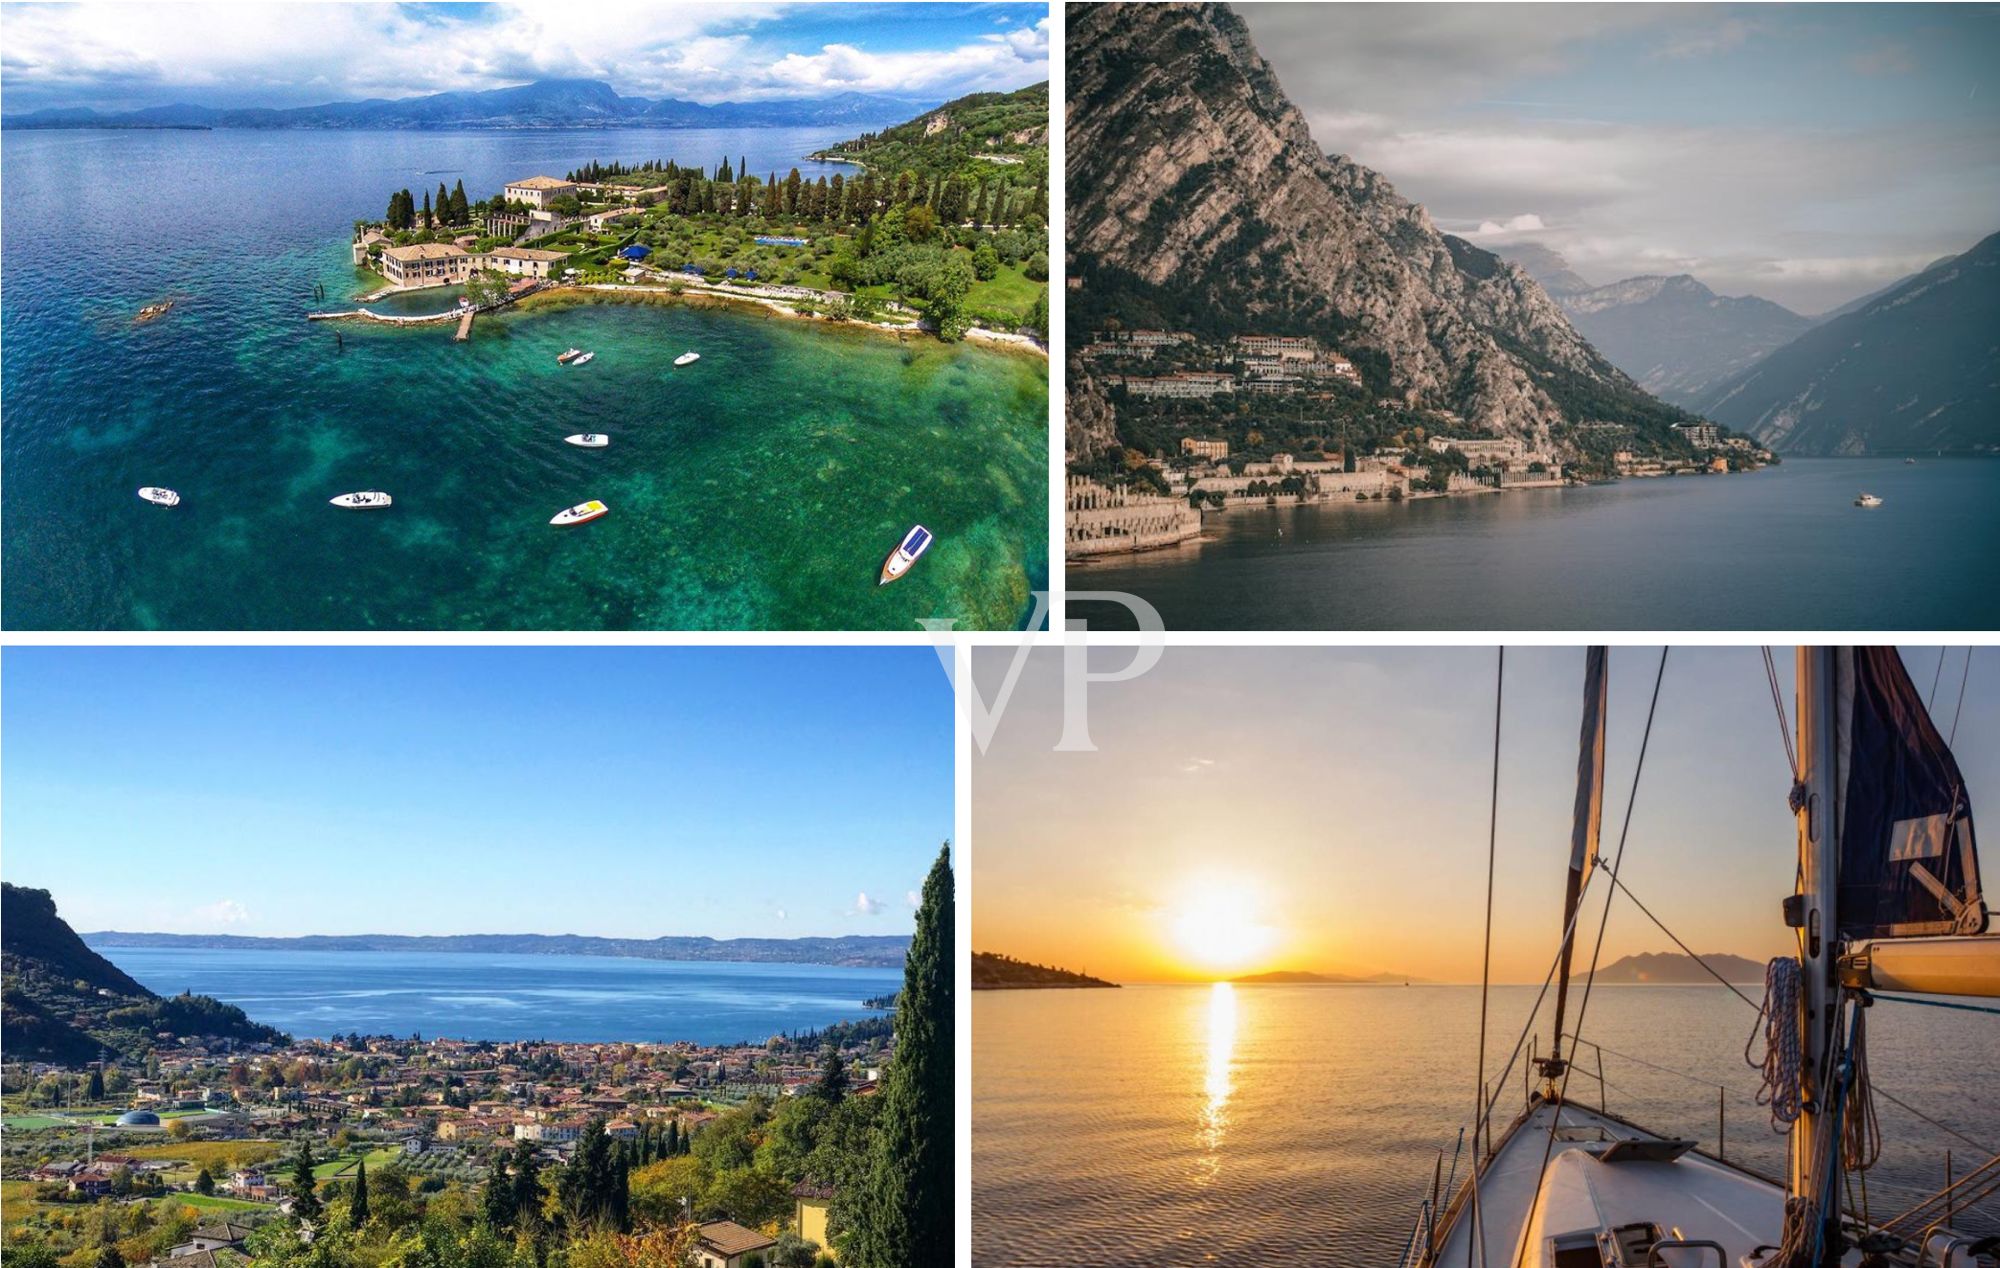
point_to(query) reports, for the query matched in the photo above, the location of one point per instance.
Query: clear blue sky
(616, 791)
(1341, 794)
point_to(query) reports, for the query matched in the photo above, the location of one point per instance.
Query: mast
(1812, 913)
(1585, 823)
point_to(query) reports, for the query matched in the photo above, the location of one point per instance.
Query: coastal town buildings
(426, 264)
(538, 191)
(522, 261)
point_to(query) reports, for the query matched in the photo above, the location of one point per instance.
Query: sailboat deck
(1559, 1215)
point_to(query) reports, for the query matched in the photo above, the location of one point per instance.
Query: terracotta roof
(528, 253)
(807, 1189)
(728, 1238)
(424, 251)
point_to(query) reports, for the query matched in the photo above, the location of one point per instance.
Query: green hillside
(61, 1001)
(979, 137)
(1003, 972)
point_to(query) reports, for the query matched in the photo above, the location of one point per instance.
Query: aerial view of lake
(1171, 1125)
(759, 488)
(1783, 548)
(475, 995)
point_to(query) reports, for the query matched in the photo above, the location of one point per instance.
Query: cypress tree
(427, 209)
(498, 1201)
(673, 1138)
(305, 1196)
(832, 1084)
(357, 1203)
(443, 204)
(903, 1212)
(94, 1090)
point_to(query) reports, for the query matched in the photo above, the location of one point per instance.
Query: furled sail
(1585, 822)
(1907, 861)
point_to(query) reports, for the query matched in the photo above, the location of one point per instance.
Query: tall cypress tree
(902, 1217)
(497, 1203)
(305, 1195)
(357, 1203)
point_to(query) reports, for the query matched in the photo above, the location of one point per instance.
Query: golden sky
(1326, 809)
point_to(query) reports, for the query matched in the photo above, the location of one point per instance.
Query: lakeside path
(776, 300)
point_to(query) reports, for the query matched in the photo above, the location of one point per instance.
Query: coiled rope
(1860, 1132)
(1783, 1062)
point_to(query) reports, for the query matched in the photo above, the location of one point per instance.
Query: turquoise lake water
(1780, 549)
(470, 995)
(757, 489)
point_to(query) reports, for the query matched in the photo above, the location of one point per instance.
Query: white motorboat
(1887, 898)
(581, 513)
(687, 358)
(371, 500)
(584, 359)
(1868, 499)
(564, 358)
(904, 557)
(160, 497)
(588, 440)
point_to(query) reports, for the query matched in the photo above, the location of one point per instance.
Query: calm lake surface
(1262, 1125)
(759, 488)
(1783, 548)
(467, 995)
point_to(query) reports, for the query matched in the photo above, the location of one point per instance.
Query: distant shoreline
(872, 951)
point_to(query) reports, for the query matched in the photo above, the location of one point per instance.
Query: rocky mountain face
(1547, 267)
(1915, 368)
(1195, 185)
(1675, 337)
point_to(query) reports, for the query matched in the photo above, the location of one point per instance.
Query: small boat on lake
(588, 440)
(582, 513)
(904, 557)
(1909, 462)
(584, 358)
(370, 500)
(564, 358)
(687, 358)
(160, 497)
(1868, 499)
(151, 311)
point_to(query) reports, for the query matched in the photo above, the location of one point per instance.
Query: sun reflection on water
(1221, 1060)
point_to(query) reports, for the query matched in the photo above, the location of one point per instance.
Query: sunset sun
(1222, 928)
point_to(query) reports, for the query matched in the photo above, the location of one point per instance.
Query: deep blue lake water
(465, 995)
(1780, 549)
(760, 488)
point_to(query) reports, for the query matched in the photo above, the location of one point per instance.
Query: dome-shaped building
(139, 1118)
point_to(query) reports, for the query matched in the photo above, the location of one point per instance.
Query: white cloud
(914, 899)
(866, 906)
(1515, 226)
(125, 56)
(226, 911)
(1197, 765)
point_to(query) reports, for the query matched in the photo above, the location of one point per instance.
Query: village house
(727, 1244)
(1277, 347)
(811, 1204)
(523, 261)
(425, 264)
(1213, 450)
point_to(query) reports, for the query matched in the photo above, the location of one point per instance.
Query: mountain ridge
(540, 103)
(994, 972)
(850, 951)
(1670, 968)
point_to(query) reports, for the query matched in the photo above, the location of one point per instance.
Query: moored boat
(581, 513)
(588, 440)
(584, 358)
(369, 500)
(687, 358)
(1868, 499)
(160, 497)
(564, 358)
(907, 552)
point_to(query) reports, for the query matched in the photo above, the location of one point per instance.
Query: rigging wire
(1955, 713)
(1583, 1005)
(1936, 676)
(1691, 953)
(1778, 703)
(1479, 1100)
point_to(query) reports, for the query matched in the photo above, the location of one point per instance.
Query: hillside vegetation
(61, 1001)
(1003, 972)
(984, 135)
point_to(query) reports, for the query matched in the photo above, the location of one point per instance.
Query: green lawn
(339, 1167)
(206, 1202)
(1010, 291)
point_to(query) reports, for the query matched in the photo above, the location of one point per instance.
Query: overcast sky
(1806, 153)
(126, 56)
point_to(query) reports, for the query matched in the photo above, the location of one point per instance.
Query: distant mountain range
(992, 972)
(1912, 369)
(60, 1001)
(1666, 968)
(547, 103)
(873, 951)
(1297, 977)
(1673, 335)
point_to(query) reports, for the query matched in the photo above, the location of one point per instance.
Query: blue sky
(117, 56)
(1343, 794)
(771, 792)
(1806, 153)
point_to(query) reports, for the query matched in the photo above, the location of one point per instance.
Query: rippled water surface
(759, 488)
(468, 995)
(1267, 1125)
(1783, 548)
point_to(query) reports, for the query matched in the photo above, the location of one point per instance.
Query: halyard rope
(1783, 1061)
